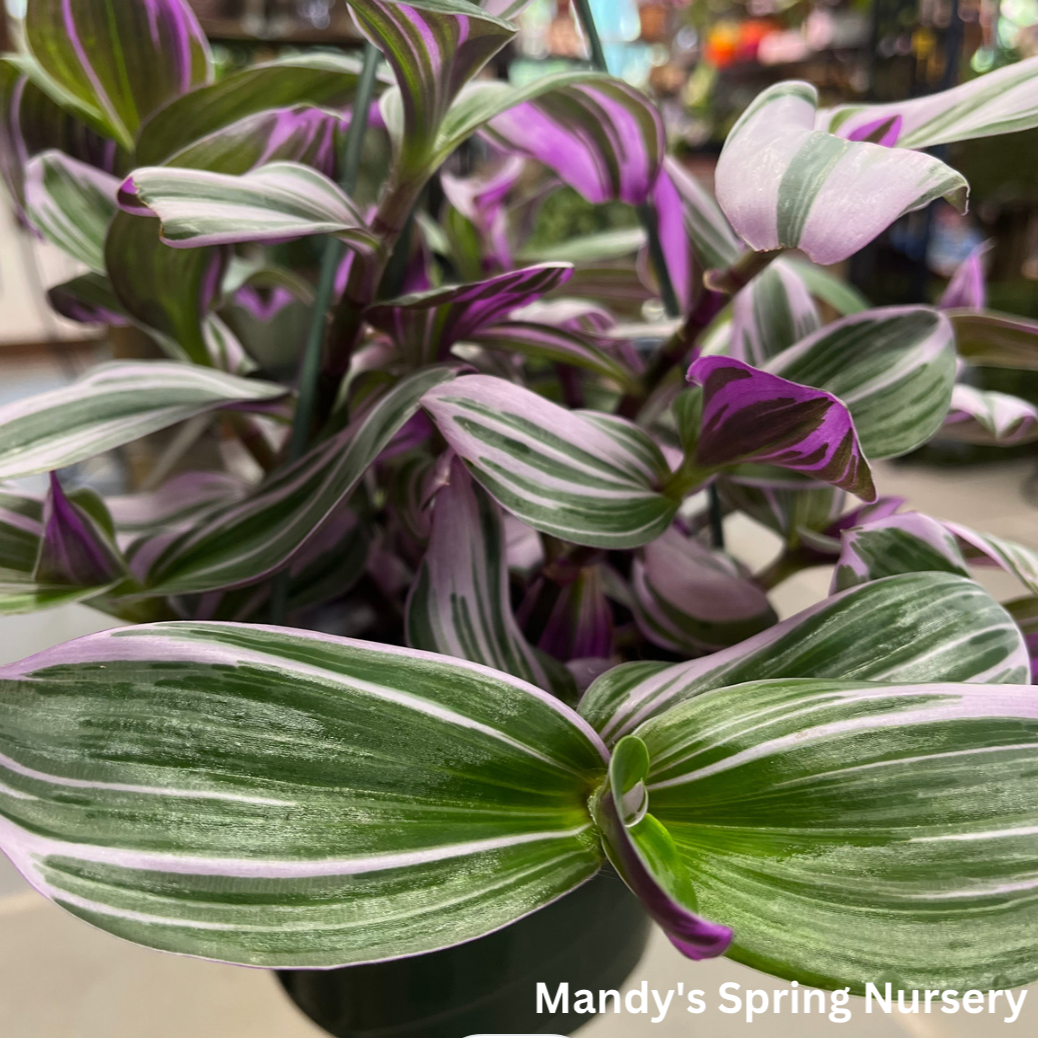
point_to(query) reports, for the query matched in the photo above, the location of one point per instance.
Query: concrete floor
(60, 978)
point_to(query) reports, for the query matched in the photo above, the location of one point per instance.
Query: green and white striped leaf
(911, 628)
(783, 184)
(72, 205)
(459, 603)
(585, 477)
(1004, 101)
(990, 418)
(774, 311)
(894, 368)
(982, 549)
(1025, 612)
(280, 200)
(286, 799)
(714, 242)
(121, 60)
(996, 340)
(904, 543)
(825, 286)
(252, 538)
(851, 832)
(314, 78)
(168, 291)
(112, 405)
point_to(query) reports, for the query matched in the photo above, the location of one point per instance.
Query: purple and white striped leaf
(123, 59)
(774, 311)
(435, 47)
(585, 477)
(691, 600)
(481, 200)
(580, 625)
(309, 78)
(894, 368)
(752, 415)
(643, 853)
(989, 418)
(248, 540)
(982, 549)
(168, 291)
(968, 289)
(459, 602)
(911, 628)
(783, 184)
(75, 549)
(603, 138)
(279, 200)
(71, 204)
(714, 242)
(905, 543)
(668, 210)
(289, 799)
(847, 831)
(112, 405)
(1004, 101)
(424, 325)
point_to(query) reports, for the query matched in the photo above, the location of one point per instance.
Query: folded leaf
(967, 287)
(603, 138)
(248, 540)
(435, 47)
(580, 625)
(990, 418)
(481, 200)
(279, 200)
(692, 600)
(123, 59)
(459, 603)
(315, 78)
(911, 628)
(851, 832)
(996, 340)
(112, 405)
(1003, 101)
(714, 241)
(288, 799)
(584, 477)
(426, 324)
(905, 543)
(894, 368)
(981, 549)
(71, 204)
(643, 853)
(774, 311)
(784, 184)
(751, 415)
(88, 299)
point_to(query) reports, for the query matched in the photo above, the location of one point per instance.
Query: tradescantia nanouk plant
(484, 463)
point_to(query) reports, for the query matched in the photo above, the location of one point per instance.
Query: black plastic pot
(592, 938)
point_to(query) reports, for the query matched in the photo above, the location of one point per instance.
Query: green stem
(741, 272)
(785, 566)
(334, 250)
(587, 22)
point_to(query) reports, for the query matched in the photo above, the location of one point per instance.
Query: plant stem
(788, 563)
(334, 250)
(587, 22)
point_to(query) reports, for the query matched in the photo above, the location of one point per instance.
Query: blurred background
(704, 60)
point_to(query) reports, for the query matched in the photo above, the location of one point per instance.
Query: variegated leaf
(72, 205)
(996, 340)
(1003, 101)
(982, 549)
(312, 77)
(990, 418)
(784, 184)
(88, 299)
(894, 368)
(774, 311)
(279, 798)
(584, 477)
(279, 200)
(911, 628)
(752, 415)
(1025, 612)
(580, 625)
(967, 287)
(459, 603)
(715, 243)
(851, 832)
(253, 538)
(112, 405)
(123, 60)
(426, 324)
(905, 543)
(691, 600)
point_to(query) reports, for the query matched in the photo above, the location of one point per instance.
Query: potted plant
(459, 645)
